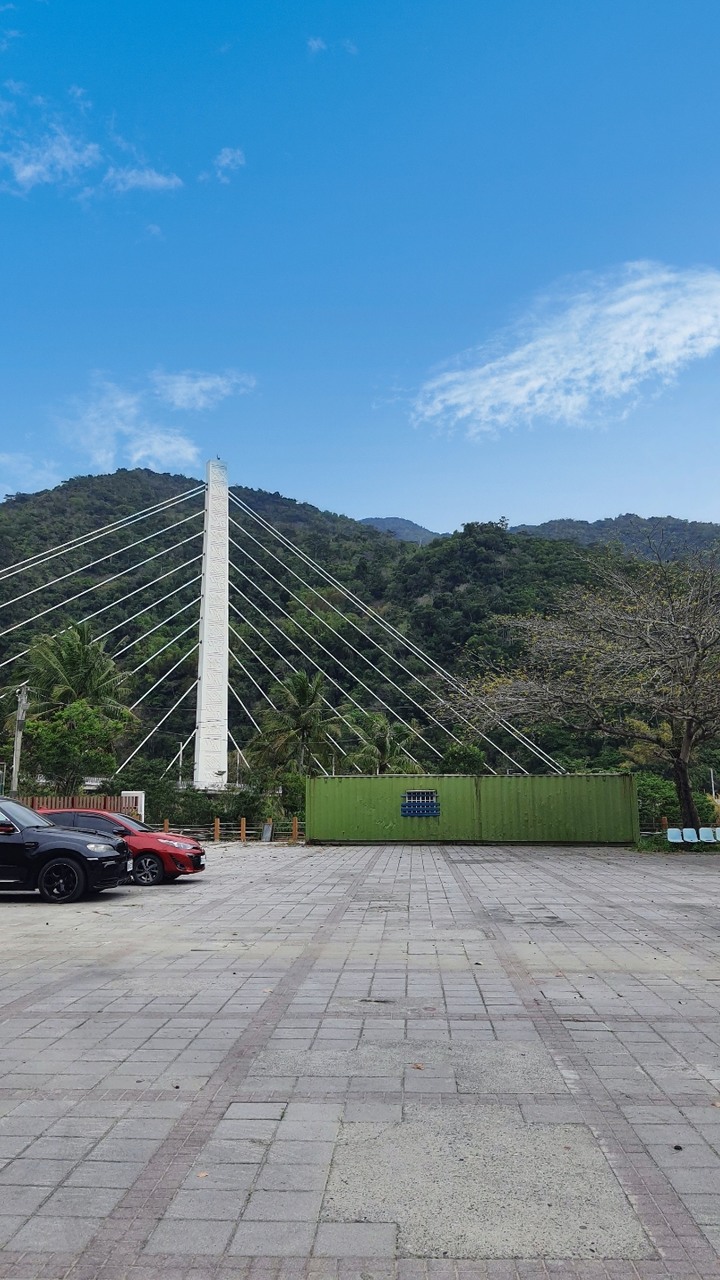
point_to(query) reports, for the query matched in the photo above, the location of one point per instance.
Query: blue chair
(689, 835)
(707, 835)
(674, 835)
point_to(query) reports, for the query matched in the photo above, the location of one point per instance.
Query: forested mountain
(635, 534)
(444, 595)
(405, 530)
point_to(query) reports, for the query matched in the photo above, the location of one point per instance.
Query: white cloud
(21, 473)
(112, 427)
(57, 157)
(350, 47)
(159, 449)
(43, 144)
(141, 179)
(600, 341)
(7, 37)
(316, 45)
(193, 390)
(80, 98)
(228, 161)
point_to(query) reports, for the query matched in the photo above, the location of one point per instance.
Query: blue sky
(443, 261)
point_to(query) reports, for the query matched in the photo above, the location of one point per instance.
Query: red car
(157, 855)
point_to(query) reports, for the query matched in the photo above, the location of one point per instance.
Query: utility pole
(20, 716)
(211, 736)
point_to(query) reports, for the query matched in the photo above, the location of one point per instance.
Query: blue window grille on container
(420, 804)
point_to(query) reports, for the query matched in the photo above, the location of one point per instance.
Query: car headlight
(177, 844)
(101, 848)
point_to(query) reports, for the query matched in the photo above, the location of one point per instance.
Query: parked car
(61, 864)
(157, 855)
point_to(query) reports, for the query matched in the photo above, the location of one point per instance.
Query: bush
(657, 799)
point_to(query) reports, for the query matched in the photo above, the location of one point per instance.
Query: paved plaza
(459, 1063)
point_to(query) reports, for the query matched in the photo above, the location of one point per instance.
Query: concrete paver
(428, 1063)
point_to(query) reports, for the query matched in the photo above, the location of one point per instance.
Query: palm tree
(383, 747)
(294, 734)
(72, 667)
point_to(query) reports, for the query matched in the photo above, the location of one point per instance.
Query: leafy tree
(71, 667)
(383, 747)
(295, 735)
(67, 745)
(463, 757)
(635, 658)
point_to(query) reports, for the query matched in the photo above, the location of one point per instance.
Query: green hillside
(444, 595)
(636, 534)
(405, 530)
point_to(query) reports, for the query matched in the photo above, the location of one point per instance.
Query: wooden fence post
(243, 830)
(216, 829)
(294, 836)
(664, 824)
(166, 824)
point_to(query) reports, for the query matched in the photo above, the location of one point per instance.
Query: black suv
(34, 854)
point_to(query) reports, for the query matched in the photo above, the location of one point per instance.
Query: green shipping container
(586, 808)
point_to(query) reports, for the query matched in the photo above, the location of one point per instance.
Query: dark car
(62, 865)
(157, 855)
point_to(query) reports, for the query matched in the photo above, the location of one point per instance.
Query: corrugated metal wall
(578, 809)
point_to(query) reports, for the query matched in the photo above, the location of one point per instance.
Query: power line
(144, 635)
(306, 658)
(366, 636)
(73, 544)
(397, 635)
(277, 681)
(155, 728)
(167, 645)
(101, 559)
(370, 663)
(340, 663)
(164, 677)
(96, 585)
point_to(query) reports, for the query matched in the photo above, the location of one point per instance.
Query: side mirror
(119, 831)
(6, 829)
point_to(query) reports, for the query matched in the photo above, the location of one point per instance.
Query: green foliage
(383, 747)
(295, 736)
(463, 757)
(62, 670)
(634, 534)
(66, 746)
(449, 596)
(657, 799)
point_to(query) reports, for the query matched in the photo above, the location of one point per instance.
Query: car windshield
(134, 825)
(21, 815)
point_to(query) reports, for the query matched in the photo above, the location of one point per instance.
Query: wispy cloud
(57, 157)
(600, 341)
(8, 37)
(141, 179)
(112, 427)
(191, 390)
(316, 44)
(80, 98)
(21, 473)
(159, 448)
(228, 161)
(42, 144)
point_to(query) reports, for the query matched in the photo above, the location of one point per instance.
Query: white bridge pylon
(211, 725)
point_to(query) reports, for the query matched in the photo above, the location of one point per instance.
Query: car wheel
(61, 880)
(148, 869)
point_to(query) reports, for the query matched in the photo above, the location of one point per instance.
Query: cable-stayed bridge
(243, 606)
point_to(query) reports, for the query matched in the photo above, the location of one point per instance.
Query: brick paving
(190, 1076)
